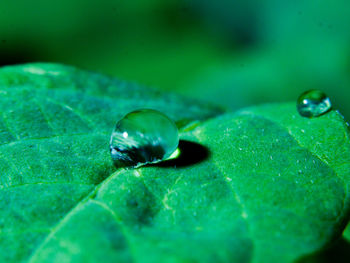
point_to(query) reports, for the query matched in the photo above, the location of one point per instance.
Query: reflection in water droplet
(141, 137)
(313, 103)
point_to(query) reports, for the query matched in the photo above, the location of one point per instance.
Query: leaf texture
(271, 187)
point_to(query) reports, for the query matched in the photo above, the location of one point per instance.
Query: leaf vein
(70, 213)
(82, 116)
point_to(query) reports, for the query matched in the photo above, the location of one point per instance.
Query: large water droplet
(313, 103)
(143, 136)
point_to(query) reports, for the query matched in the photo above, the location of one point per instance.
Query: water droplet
(313, 103)
(141, 137)
(228, 179)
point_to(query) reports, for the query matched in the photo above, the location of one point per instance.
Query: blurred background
(230, 52)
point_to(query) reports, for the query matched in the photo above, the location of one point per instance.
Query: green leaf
(347, 233)
(273, 187)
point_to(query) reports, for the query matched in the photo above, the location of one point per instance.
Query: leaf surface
(273, 186)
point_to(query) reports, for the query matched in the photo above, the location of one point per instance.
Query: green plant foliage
(273, 188)
(347, 233)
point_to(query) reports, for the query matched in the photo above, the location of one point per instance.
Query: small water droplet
(244, 214)
(141, 137)
(313, 103)
(137, 174)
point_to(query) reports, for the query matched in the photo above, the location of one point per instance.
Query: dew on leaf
(313, 103)
(143, 136)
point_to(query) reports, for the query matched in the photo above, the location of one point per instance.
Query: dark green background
(234, 53)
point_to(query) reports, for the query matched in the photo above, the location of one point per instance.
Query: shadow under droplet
(190, 153)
